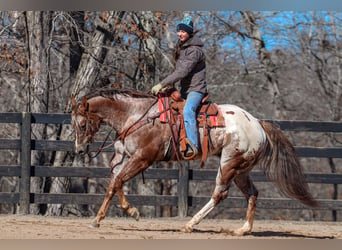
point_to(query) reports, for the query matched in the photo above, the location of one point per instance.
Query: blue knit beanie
(187, 25)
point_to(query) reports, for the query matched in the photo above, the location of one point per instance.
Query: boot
(191, 151)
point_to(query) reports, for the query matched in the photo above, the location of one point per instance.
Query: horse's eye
(83, 125)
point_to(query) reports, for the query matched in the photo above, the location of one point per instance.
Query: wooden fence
(182, 200)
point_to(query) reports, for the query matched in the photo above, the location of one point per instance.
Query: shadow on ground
(262, 234)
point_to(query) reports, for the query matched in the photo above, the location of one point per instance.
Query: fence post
(25, 162)
(183, 189)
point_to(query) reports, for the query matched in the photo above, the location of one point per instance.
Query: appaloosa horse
(244, 142)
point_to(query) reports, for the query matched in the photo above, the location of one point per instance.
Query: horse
(241, 144)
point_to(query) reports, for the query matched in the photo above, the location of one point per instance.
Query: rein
(138, 123)
(103, 147)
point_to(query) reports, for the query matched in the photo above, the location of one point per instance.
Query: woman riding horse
(190, 70)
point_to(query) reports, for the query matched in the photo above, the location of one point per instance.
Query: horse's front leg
(132, 211)
(101, 214)
(134, 166)
(128, 162)
(116, 165)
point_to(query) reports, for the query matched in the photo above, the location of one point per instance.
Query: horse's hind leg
(199, 216)
(245, 184)
(223, 180)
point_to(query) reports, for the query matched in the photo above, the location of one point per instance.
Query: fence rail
(25, 170)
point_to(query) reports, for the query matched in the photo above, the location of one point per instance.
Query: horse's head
(85, 125)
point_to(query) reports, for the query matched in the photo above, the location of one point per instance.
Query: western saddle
(208, 116)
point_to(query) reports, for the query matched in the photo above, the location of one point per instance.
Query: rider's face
(183, 35)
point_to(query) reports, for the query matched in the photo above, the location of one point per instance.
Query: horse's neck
(120, 113)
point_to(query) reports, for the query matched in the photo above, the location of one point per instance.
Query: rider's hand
(156, 89)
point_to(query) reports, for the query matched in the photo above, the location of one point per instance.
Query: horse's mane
(113, 92)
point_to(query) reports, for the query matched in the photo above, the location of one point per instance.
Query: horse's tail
(281, 165)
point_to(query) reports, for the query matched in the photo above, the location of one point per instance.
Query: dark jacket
(190, 68)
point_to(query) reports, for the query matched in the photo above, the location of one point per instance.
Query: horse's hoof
(187, 229)
(136, 215)
(94, 225)
(240, 232)
(227, 231)
(134, 212)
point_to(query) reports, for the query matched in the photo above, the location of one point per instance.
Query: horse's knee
(252, 196)
(122, 199)
(124, 205)
(110, 193)
(252, 200)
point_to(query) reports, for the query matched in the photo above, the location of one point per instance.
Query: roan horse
(244, 142)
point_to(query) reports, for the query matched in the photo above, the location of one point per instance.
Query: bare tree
(38, 30)
(253, 31)
(322, 53)
(87, 75)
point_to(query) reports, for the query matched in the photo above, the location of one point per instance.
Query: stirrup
(191, 153)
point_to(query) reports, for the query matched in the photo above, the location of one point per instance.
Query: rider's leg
(192, 102)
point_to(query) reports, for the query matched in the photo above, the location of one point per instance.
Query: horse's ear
(85, 103)
(73, 101)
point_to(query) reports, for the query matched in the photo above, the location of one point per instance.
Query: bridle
(92, 123)
(90, 129)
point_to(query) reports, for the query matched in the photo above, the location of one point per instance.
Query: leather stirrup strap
(182, 137)
(205, 144)
(174, 144)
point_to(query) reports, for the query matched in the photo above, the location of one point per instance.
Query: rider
(190, 70)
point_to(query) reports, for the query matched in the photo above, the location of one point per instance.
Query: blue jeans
(192, 102)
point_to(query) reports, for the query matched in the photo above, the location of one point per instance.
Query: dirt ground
(41, 227)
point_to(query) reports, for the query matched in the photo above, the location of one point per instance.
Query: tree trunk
(86, 76)
(38, 29)
(93, 58)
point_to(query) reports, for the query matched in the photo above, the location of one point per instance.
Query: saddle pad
(217, 120)
(164, 109)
